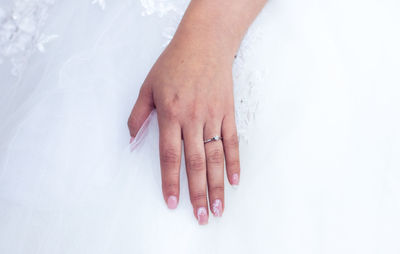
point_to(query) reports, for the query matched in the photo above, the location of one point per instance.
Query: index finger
(170, 159)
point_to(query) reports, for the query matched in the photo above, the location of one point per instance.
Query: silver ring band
(215, 138)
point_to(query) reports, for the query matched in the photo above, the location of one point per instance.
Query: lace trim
(248, 80)
(20, 31)
(21, 36)
(171, 11)
(101, 3)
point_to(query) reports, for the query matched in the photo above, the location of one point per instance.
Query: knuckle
(131, 122)
(212, 112)
(194, 116)
(199, 197)
(169, 156)
(195, 113)
(170, 188)
(234, 165)
(172, 185)
(171, 111)
(217, 190)
(215, 156)
(232, 142)
(172, 173)
(196, 162)
(170, 105)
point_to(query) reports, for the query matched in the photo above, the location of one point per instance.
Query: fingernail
(235, 179)
(216, 208)
(132, 138)
(202, 216)
(172, 202)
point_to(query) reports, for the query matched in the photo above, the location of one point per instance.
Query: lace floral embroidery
(21, 36)
(248, 79)
(101, 3)
(20, 31)
(171, 11)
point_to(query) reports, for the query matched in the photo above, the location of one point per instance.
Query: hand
(190, 86)
(191, 89)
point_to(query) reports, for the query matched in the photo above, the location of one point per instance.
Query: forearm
(217, 26)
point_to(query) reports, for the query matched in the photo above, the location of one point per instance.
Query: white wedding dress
(317, 92)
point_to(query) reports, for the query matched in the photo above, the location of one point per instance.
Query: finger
(196, 170)
(170, 159)
(215, 167)
(231, 148)
(142, 109)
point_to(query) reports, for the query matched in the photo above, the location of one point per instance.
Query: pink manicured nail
(216, 208)
(132, 138)
(172, 202)
(235, 179)
(202, 216)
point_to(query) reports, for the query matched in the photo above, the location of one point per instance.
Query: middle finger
(196, 170)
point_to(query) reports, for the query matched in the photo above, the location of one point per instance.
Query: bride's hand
(191, 89)
(190, 86)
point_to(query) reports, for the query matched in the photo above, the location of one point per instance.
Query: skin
(191, 87)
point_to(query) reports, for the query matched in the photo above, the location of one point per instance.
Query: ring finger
(215, 167)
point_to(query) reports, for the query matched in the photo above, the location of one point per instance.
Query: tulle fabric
(318, 102)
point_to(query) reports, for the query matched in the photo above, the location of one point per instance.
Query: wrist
(202, 48)
(207, 35)
(205, 44)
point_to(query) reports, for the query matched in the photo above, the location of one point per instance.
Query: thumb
(140, 112)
